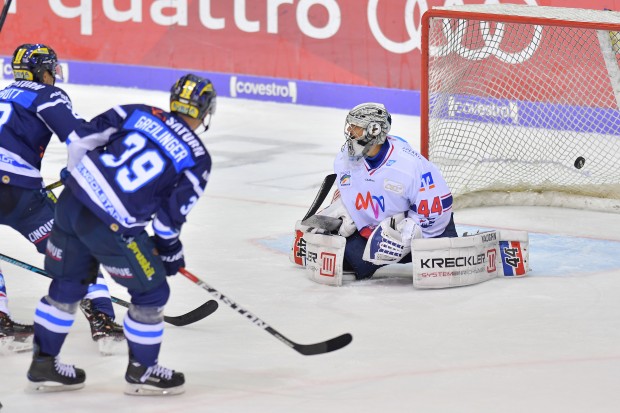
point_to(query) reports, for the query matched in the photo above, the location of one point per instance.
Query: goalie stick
(5, 10)
(326, 186)
(196, 314)
(333, 344)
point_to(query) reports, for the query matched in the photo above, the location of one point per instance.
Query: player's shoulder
(139, 113)
(398, 142)
(142, 108)
(404, 148)
(38, 92)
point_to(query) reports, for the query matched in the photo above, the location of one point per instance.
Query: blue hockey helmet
(193, 96)
(31, 61)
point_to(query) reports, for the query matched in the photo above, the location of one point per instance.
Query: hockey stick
(54, 185)
(50, 193)
(5, 10)
(326, 186)
(188, 318)
(333, 344)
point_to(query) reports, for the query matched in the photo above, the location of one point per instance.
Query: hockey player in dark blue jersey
(131, 166)
(32, 109)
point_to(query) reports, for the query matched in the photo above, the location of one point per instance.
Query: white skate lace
(158, 371)
(64, 369)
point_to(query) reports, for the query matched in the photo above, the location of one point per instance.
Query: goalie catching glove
(391, 240)
(171, 253)
(337, 210)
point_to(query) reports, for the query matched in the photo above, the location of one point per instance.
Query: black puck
(579, 162)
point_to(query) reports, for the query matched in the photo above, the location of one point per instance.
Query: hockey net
(520, 105)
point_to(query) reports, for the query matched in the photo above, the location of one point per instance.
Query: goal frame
(493, 15)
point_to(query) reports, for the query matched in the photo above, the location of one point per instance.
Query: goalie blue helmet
(32, 61)
(366, 126)
(193, 96)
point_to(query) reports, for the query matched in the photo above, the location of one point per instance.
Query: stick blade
(197, 314)
(328, 346)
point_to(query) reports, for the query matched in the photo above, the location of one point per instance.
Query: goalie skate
(14, 337)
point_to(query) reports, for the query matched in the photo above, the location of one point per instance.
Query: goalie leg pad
(324, 258)
(513, 259)
(297, 255)
(454, 262)
(316, 224)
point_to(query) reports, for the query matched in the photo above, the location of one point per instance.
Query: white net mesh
(528, 109)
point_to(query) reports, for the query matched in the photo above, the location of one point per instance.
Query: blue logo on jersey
(427, 182)
(157, 131)
(390, 162)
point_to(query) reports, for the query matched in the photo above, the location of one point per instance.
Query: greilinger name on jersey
(157, 131)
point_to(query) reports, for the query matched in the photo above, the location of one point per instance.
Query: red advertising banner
(357, 42)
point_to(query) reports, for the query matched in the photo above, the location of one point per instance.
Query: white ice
(549, 342)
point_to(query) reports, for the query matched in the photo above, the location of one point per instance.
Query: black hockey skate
(14, 336)
(47, 374)
(101, 324)
(104, 330)
(152, 381)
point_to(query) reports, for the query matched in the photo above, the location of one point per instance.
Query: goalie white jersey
(397, 180)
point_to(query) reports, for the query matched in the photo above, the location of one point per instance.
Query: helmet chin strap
(204, 125)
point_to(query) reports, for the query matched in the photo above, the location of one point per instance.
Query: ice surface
(549, 342)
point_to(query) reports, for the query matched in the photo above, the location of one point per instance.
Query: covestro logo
(240, 87)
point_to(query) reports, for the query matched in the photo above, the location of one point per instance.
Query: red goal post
(520, 105)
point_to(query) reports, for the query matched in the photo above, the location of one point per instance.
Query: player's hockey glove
(171, 254)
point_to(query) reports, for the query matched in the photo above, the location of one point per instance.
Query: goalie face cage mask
(366, 125)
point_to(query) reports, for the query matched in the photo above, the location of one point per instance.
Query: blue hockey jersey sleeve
(30, 113)
(172, 214)
(56, 110)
